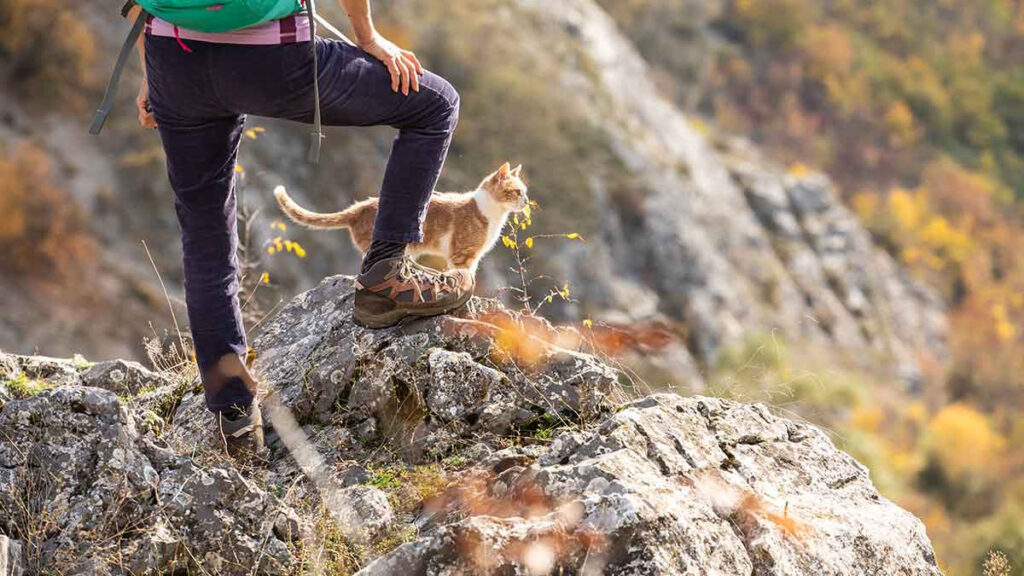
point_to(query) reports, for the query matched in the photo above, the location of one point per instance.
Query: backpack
(220, 15)
(212, 16)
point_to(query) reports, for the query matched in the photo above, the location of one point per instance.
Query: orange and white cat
(460, 228)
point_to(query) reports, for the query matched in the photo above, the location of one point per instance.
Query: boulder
(363, 512)
(10, 557)
(673, 486)
(55, 371)
(123, 378)
(432, 383)
(102, 495)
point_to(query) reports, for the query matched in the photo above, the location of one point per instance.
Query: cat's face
(507, 188)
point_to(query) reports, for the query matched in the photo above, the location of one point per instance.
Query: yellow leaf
(515, 219)
(252, 132)
(265, 278)
(549, 298)
(239, 169)
(270, 250)
(528, 212)
(588, 323)
(529, 243)
(574, 236)
(798, 170)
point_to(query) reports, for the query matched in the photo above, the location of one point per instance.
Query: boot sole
(390, 314)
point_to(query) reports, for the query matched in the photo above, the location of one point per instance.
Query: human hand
(403, 65)
(146, 116)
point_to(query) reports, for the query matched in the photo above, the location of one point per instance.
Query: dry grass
(996, 564)
(328, 551)
(29, 518)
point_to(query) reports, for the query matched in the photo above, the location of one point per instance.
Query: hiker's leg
(201, 144)
(355, 90)
(425, 120)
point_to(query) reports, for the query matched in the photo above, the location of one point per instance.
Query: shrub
(772, 24)
(963, 442)
(46, 52)
(965, 461)
(44, 231)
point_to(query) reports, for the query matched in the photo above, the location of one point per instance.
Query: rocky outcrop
(86, 488)
(672, 485)
(122, 377)
(432, 383)
(663, 485)
(545, 468)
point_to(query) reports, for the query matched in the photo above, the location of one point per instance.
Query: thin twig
(174, 317)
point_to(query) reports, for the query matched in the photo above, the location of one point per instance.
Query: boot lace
(410, 270)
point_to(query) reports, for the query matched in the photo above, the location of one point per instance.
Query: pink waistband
(288, 30)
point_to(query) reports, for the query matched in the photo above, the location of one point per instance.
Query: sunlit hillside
(915, 108)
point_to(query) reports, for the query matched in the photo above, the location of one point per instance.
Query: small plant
(522, 223)
(30, 519)
(545, 427)
(252, 273)
(396, 536)
(175, 360)
(386, 479)
(329, 551)
(996, 564)
(408, 487)
(80, 362)
(21, 386)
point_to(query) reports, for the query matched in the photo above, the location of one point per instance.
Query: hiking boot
(398, 288)
(242, 436)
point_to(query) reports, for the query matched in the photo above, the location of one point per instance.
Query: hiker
(196, 91)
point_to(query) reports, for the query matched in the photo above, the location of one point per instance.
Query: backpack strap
(107, 104)
(317, 137)
(127, 8)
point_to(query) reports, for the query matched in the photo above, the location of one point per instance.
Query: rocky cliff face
(544, 465)
(719, 237)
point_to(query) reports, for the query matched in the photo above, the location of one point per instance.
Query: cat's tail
(310, 219)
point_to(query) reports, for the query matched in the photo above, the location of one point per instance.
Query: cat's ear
(504, 171)
(515, 171)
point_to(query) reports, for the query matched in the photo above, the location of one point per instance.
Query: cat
(460, 228)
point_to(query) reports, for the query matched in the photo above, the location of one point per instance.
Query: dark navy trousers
(201, 99)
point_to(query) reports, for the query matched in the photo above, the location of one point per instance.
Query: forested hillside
(916, 109)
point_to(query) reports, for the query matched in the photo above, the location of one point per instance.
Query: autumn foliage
(44, 231)
(46, 67)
